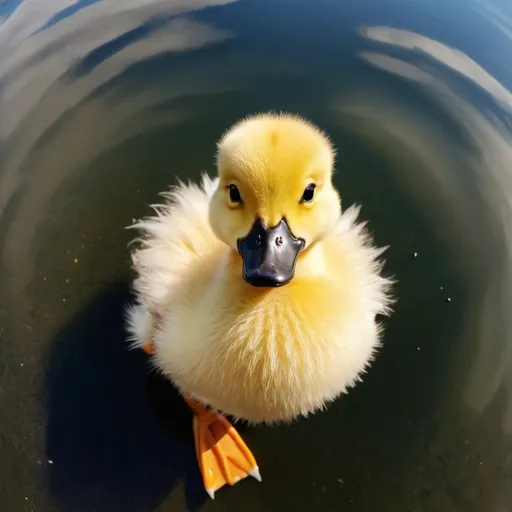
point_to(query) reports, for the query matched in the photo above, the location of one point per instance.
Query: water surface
(105, 103)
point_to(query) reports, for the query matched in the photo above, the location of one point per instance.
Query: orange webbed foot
(149, 348)
(222, 455)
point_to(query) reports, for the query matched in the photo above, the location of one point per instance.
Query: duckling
(255, 294)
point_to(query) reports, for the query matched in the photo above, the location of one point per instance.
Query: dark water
(103, 103)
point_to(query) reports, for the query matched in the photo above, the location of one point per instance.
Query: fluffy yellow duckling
(255, 294)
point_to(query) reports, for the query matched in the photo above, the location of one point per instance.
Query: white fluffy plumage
(264, 355)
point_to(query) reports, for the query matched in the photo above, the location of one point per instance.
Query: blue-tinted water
(103, 103)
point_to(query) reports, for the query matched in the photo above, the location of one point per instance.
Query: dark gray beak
(269, 254)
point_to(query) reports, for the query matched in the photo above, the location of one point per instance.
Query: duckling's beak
(269, 254)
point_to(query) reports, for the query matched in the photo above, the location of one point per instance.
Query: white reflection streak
(496, 16)
(491, 161)
(451, 57)
(36, 63)
(27, 18)
(36, 97)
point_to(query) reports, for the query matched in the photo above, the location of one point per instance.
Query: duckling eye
(308, 194)
(234, 194)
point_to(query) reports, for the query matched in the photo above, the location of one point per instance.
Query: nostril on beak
(279, 241)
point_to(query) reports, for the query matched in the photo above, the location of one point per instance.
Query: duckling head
(275, 196)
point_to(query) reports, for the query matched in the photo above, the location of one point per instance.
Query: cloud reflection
(39, 89)
(464, 192)
(443, 54)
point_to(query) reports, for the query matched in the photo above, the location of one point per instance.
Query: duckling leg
(149, 348)
(222, 455)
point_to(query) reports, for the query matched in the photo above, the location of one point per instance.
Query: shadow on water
(105, 101)
(106, 449)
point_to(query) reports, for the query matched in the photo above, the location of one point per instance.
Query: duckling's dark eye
(309, 193)
(234, 194)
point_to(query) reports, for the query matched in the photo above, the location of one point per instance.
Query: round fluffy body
(261, 354)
